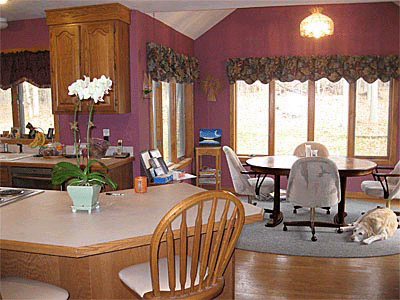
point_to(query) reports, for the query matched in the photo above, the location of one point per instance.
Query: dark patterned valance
(33, 67)
(164, 64)
(290, 68)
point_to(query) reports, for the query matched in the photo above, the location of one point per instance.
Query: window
(172, 120)
(26, 103)
(356, 120)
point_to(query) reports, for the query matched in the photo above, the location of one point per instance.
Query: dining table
(280, 165)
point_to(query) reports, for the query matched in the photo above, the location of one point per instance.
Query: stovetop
(9, 194)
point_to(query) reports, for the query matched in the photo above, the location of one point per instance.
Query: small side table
(210, 176)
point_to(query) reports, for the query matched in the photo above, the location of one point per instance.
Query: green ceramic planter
(84, 197)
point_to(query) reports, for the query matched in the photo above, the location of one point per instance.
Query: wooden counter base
(92, 277)
(42, 239)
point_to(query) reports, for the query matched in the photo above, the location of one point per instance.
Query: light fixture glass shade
(317, 25)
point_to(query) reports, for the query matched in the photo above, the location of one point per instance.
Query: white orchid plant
(93, 91)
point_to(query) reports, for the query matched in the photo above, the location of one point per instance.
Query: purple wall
(132, 128)
(360, 29)
(25, 34)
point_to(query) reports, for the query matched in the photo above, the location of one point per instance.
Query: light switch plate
(106, 132)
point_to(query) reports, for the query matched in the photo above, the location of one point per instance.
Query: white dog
(377, 224)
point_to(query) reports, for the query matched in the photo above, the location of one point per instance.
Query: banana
(34, 143)
(39, 140)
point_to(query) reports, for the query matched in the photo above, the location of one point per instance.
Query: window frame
(156, 126)
(16, 112)
(393, 120)
(15, 104)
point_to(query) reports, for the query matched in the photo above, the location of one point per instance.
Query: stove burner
(10, 192)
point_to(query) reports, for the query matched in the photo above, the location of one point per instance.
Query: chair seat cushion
(266, 187)
(138, 277)
(22, 288)
(372, 188)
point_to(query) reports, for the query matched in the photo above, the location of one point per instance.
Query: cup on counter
(140, 184)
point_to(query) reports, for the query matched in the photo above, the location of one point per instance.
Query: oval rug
(297, 240)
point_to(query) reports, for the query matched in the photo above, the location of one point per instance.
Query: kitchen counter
(42, 239)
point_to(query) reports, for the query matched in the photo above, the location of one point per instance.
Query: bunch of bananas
(39, 140)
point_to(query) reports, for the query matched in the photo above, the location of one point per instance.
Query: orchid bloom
(85, 89)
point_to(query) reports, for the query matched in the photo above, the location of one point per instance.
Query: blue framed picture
(210, 137)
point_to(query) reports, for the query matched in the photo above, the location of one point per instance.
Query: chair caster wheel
(314, 239)
(284, 228)
(340, 230)
(294, 211)
(328, 212)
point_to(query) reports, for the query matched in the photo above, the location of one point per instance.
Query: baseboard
(349, 195)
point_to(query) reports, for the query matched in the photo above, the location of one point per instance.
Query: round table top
(281, 165)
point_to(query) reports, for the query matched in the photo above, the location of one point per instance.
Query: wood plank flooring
(268, 276)
(261, 276)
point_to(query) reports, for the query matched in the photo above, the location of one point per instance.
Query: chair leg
(295, 208)
(312, 225)
(328, 210)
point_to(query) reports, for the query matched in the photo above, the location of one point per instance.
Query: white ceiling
(192, 18)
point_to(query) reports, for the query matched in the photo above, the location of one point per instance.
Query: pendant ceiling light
(317, 25)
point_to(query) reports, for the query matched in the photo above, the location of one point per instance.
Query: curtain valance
(289, 68)
(33, 67)
(164, 64)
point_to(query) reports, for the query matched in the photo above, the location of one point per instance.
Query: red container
(140, 184)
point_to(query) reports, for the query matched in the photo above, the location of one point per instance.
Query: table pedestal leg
(339, 217)
(276, 216)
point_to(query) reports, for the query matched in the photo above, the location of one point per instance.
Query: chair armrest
(384, 168)
(249, 172)
(386, 175)
(382, 178)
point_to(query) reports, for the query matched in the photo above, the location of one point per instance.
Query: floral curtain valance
(25, 65)
(164, 63)
(301, 68)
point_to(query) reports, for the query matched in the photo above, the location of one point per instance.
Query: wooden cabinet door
(65, 65)
(98, 58)
(5, 178)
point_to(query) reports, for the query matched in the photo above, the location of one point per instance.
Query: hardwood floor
(269, 276)
(261, 276)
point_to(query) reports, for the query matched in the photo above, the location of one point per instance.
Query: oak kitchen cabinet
(92, 41)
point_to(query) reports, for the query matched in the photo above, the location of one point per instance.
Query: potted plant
(84, 185)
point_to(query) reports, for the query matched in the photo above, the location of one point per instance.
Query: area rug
(297, 240)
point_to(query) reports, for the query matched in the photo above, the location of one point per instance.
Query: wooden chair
(23, 288)
(212, 221)
(313, 182)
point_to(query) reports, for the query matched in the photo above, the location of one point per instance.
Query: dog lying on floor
(377, 224)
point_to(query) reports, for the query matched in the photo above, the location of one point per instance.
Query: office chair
(242, 182)
(313, 182)
(300, 151)
(384, 185)
(212, 221)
